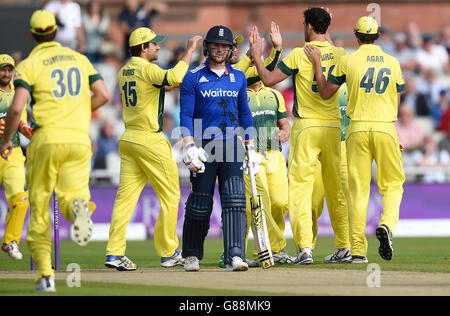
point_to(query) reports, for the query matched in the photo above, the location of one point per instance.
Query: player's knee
(233, 194)
(234, 218)
(199, 205)
(279, 203)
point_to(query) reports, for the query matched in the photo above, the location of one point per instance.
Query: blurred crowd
(424, 113)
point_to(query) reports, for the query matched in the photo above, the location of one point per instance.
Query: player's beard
(152, 56)
(219, 60)
(152, 53)
(4, 81)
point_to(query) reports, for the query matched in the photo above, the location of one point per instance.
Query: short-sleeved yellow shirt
(58, 79)
(307, 101)
(373, 79)
(141, 86)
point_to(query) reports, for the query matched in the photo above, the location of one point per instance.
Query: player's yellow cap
(43, 22)
(143, 35)
(238, 39)
(366, 25)
(6, 60)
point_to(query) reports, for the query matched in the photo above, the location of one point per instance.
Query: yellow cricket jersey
(141, 86)
(58, 80)
(6, 98)
(307, 101)
(251, 73)
(267, 106)
(373, 79)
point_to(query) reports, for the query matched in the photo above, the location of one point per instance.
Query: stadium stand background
(413, 21)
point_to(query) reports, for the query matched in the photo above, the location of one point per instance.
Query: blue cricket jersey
(213, 107)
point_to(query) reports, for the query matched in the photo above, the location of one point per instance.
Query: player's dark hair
(136, 50)
(318, 18)
(44, 38)
(367, 38)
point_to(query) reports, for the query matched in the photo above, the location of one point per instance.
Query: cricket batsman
(59, 81)
(374, 80)
(12, 172)
(214, 106)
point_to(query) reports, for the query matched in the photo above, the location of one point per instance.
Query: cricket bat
(259, 226)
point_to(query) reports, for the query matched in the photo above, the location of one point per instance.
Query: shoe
(46, 284)
(82, 224)
(384, 235)
(304, 257)
(339, 255)
(283, 257)
(121, 263)
(237, 264)
(173, 261)
(12, 249)
(359, 259)
(191, 264)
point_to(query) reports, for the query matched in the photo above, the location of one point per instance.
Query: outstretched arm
(277, 47)
(326, 89)
(269, 78)
(192, 45)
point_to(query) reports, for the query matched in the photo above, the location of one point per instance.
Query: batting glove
(26, 130)
(194, 158)
(252, 158)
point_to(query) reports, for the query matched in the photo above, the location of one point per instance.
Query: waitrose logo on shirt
(219, 93)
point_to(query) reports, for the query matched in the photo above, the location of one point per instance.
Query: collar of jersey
(370, 46)
(228, 68)
(45, 45)
(139, 60)
(318, 43)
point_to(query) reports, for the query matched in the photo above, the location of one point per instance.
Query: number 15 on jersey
(129, 93)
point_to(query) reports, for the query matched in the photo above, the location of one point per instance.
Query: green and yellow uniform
(12, 175)
(59, 154)
(319, 190)
(374, 80)
(145, 154)
(314, 137)
(268, 107)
